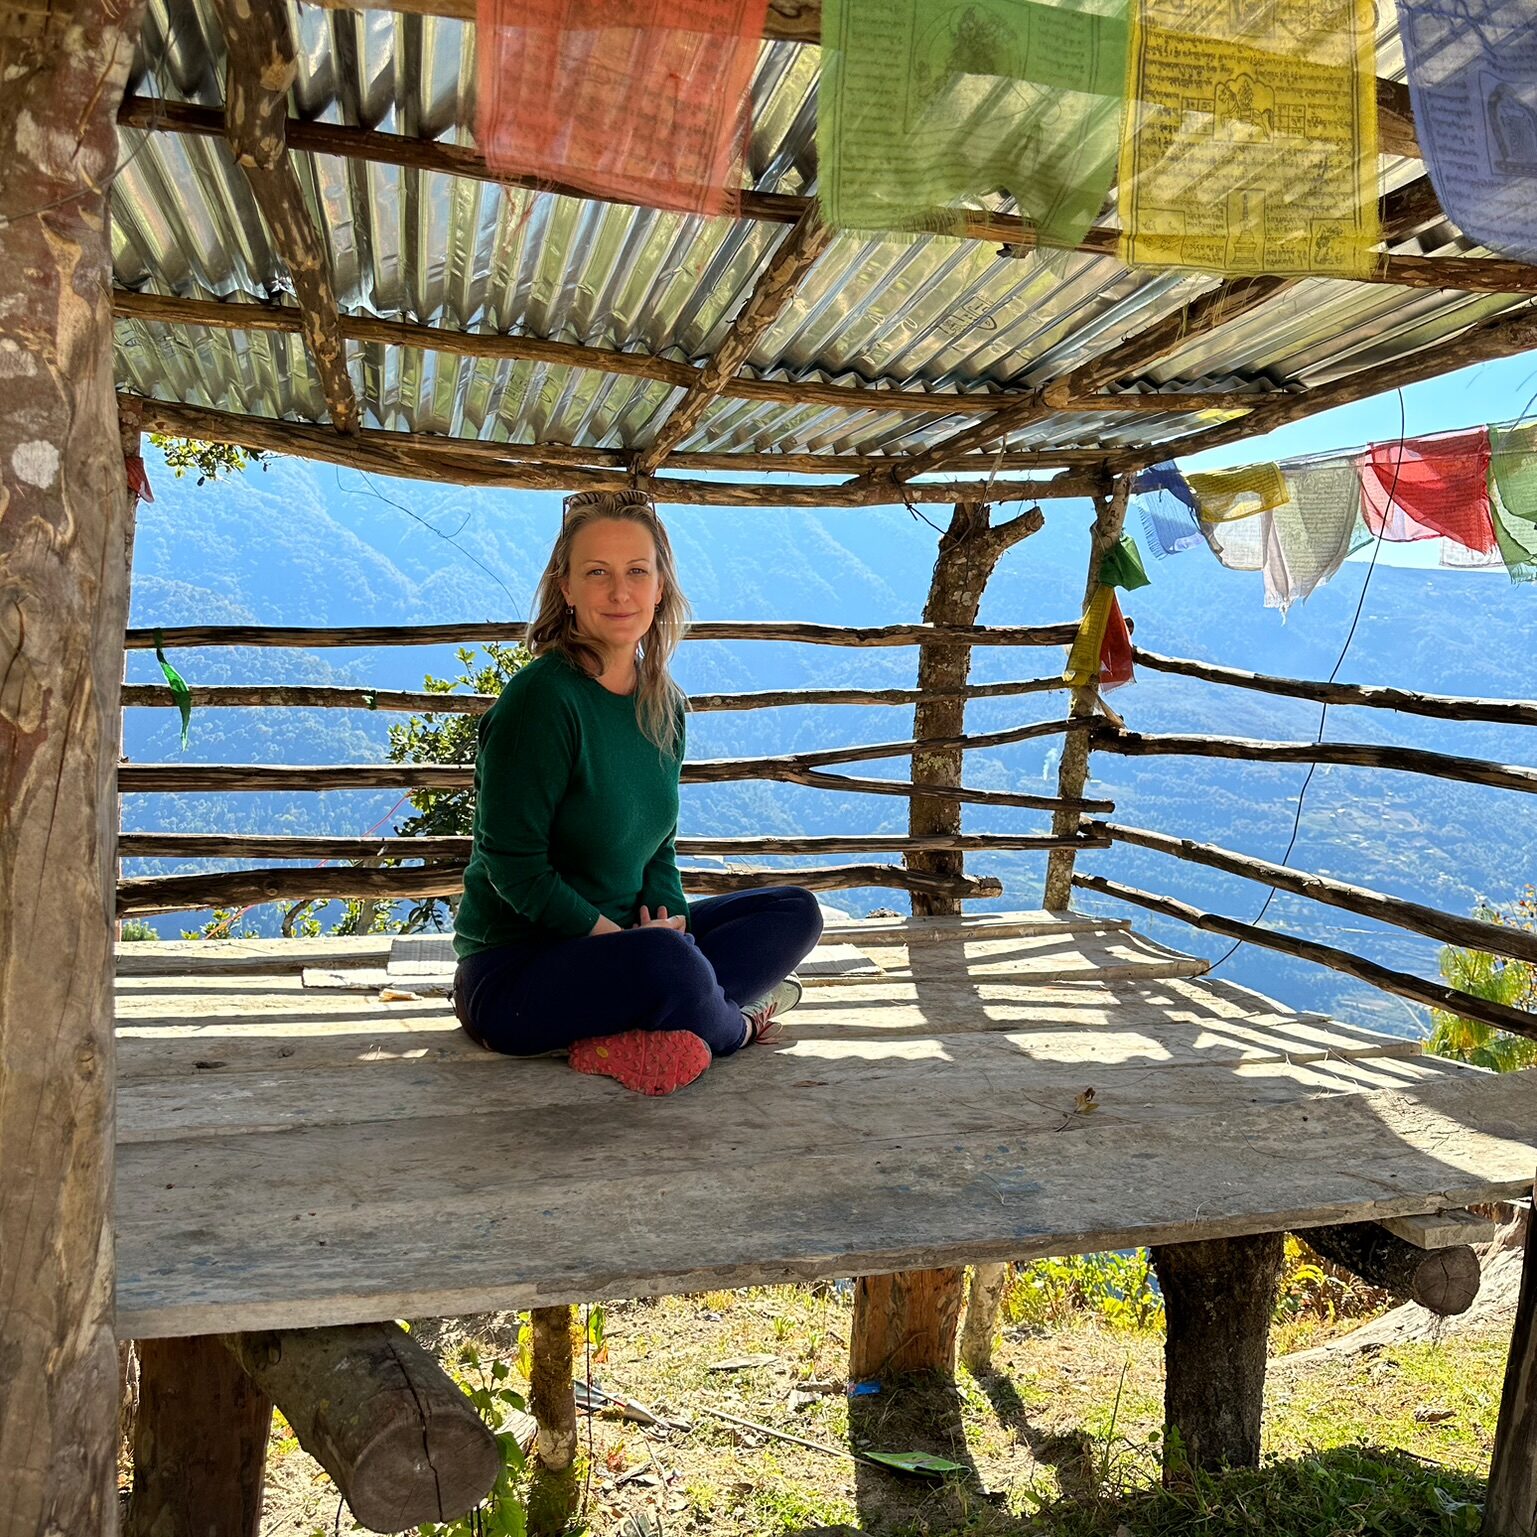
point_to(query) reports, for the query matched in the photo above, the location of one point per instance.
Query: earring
(570, 609)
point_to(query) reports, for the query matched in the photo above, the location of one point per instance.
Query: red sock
(647, 1061)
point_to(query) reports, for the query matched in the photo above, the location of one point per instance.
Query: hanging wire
(1323, 714)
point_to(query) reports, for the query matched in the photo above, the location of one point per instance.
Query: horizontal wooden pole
(1430, 994)
(143, 896)
(399, 1438)
(284, 319)
(1444, 1281)
(1499, 939)
(306, 637)
(1409, 760)
(457, 847)
(332, 697)
(444, 461)
(134, 778)
(1504, 712)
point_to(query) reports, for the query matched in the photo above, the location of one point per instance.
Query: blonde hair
(658, 700)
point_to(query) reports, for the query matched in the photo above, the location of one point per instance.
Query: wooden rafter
(235, 316)
(776, 285)
(421, 457)
(261, 64)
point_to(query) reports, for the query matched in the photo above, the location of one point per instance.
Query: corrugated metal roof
(920, 312)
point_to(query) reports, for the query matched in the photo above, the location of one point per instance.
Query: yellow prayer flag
(1251, 137)
(1224, 495)
(1083, 660)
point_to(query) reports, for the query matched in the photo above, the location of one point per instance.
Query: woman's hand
(661, 920)
(604, 925)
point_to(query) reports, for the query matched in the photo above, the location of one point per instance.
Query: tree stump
(199, 1443)
(552, 1495)
(905, 1322)
(1510, 1508)
(1219, 1295)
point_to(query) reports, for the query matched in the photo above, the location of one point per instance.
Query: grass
(1063, 1437)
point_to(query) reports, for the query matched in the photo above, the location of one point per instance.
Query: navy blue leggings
(528, 998)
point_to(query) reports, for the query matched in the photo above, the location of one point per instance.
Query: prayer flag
(1429, 487)
(645, 101)
(923, 106)
(1115, 656)
(1513, 474)
(1083, 659)
(1251, 137)
(1122, 566)
(1167, 505)
(1225, 495)
(1240, 544)
(1308, 537)
(1473, 86)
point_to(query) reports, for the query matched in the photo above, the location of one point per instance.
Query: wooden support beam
(1449, 928)
(984, 1298)
(791, 262)
(1432, 995)
(456, 848)
(260, 65)
(907, 1323)
(144, 895)
(1510, 1507)
(400, 1440)
(336, 697)
(1444, 1281)
(440, 459)
(312, 637)
(1504, 712)
(1218, 1296)
(63, 602)
(199, 1443)
(1407, 760)
(552, 1498)
(1073, 767)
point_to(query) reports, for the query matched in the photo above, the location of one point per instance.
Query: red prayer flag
(644, 101)
(138, 478)
(1429, 488)
(1115, 651)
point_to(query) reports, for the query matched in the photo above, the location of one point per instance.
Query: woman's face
(613, 583)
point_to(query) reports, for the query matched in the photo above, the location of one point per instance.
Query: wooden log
(775, 287)
(199, 1444)
(909, 1322)
(1510, 1507)
(1073, 767)
(1503, 712)
(400, 1440)
(308, 637)
(984, 1299)
(1430, 994)
(332, 697)
(141, 896)
(552, 1497)
(1218, 1296)
(1407, 760)
(424, 457)
(225, 314)
(147, 845)
(1445, 1281)
(63, 601)
(1451, 929)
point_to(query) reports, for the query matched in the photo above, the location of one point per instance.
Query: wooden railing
(387, 874)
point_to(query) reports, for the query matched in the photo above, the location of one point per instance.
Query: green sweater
(576, 814)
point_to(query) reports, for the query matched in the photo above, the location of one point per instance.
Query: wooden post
(988, 1284)
(62, 607)
(1219, 1294)
(1510, 1509)
(907, 1321)
(1073, 770)
(552, 1494)
(199, 1443)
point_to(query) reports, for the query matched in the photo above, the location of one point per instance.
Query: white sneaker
(765, 1015)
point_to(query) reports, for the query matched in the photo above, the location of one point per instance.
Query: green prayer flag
(1513, 471)
(1122, 567)
(923, 106)
(178, 686)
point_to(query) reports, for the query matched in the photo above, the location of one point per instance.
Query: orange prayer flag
(645, 101)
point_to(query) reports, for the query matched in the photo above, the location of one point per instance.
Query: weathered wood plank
(221, 1249)
(1510, 1510)
(1441, 1229)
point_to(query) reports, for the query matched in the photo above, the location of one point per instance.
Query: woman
(574, 931)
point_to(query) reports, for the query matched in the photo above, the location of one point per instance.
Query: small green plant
(1118, 1289)
(136, 929)
(1496, 980)
(208, 461)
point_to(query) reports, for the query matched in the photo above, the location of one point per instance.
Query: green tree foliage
(1497, 980)
(440, 737)
(207, 460)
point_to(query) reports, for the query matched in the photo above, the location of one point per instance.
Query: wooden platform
(294, 1154)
